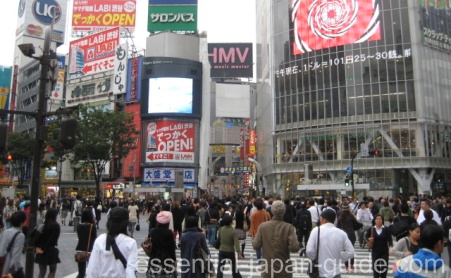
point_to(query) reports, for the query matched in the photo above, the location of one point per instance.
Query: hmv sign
(230, 60)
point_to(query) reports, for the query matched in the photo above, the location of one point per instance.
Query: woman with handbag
(379, 240)
(408, 245)
(193, 243)
(349, 224)
(133, 217)
(239, 227)
(87, 234)
(162, 259)
(47, 254)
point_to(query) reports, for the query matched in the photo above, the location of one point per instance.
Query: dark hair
(286, 201)
(427, 202)
(116, 227)
(430, 235)
(404, 208)
(113, 204)
(86, 216)
(259, 204)
(240, 207)
(376, 216)
(227, 220)
(428, 215)
(50, 216)
(17, 218)
(413, 226)
(311, 202)
(191, 221)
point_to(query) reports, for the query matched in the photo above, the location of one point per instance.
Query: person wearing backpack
(15, 238)
(401, 223)
(303, 226)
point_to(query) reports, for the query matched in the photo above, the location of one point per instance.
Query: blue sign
(349, 169)
(45, 10)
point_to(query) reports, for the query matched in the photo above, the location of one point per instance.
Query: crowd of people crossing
(324, 231)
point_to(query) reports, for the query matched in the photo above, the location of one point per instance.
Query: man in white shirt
(334, 246)
(426, 205)
(314, 212)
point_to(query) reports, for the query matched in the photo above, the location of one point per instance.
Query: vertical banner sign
(170, 141)
(120, 69)
(252, 150)
(93, 54)
(325, 24)
(57, 93)
(133, 79)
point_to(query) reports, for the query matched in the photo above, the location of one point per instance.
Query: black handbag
(357, 225)
(137, 228)
(313, 271)
(217, 242)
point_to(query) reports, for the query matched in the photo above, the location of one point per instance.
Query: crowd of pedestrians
(413, 230)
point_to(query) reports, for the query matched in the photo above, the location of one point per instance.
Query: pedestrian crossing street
(248, 265)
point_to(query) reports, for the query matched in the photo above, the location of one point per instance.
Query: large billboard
(167, 176)
(100, 15)
(93, 54)
(230, 60)
(88, 91)
(172, 18)
(35, 16)
(169, 141)
(324, 24)
(134, 79)
(435, 24)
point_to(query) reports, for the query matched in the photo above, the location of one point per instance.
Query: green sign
(172, 18)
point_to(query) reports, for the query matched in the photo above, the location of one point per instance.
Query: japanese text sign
(100, 15)
(159, 175)
(93, 54)
(57, 93)
(120, 69)
(170, 141)
(173, 18)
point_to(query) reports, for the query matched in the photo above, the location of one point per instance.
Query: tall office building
(345, 78)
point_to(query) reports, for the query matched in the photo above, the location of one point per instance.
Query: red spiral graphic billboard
(320, 24)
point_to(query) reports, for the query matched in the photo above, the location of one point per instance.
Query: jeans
(7, 224)
(211, 231)
(131, 227)
(222, 259)
(258, 253)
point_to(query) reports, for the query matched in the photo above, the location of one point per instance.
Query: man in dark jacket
(212, 219)
(290, 212)
(303, 225)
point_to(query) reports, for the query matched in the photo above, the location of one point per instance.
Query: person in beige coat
(278, 239)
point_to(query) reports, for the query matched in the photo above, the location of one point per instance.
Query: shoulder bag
(371, 239)
(83, 256)
(8, 249)
(217, 242)
(147, 245)
(117, 253)
(205, 258)
(313, 271)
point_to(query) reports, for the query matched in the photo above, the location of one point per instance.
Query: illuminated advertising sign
(35, 16)
(172, 18)
(93, 54)
(435, 24)
(320, 24)
(170, 141)
(230, 60)
(90, 91)
(100, 15)
(57, 93)
(166, 176)
(120, 69)
(134, 79)
(252, 142)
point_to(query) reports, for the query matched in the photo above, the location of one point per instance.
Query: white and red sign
(320, 24)
(170, 141)
(93, 54)
(100, 15)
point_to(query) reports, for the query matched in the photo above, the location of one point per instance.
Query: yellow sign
(218, 149)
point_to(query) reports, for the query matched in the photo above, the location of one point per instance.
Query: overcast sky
(224, 20)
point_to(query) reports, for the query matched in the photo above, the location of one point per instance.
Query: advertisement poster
(120, 69)
(164, 175)
(170, 141)
(100, 15)
(435, 24)
(172, 18)
(93, 54)
(230, 60)
(325, 24)
(57, 93)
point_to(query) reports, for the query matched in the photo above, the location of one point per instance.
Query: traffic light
(346, 182)
(67, 135)
(374, 152)
(9, 157)
(3, 136)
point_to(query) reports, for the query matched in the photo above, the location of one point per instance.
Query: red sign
(320, 24)
(252, 142)
(170, 141)
(93, 54)
(100, 15)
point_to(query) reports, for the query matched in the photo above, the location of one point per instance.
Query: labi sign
(230, 60)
